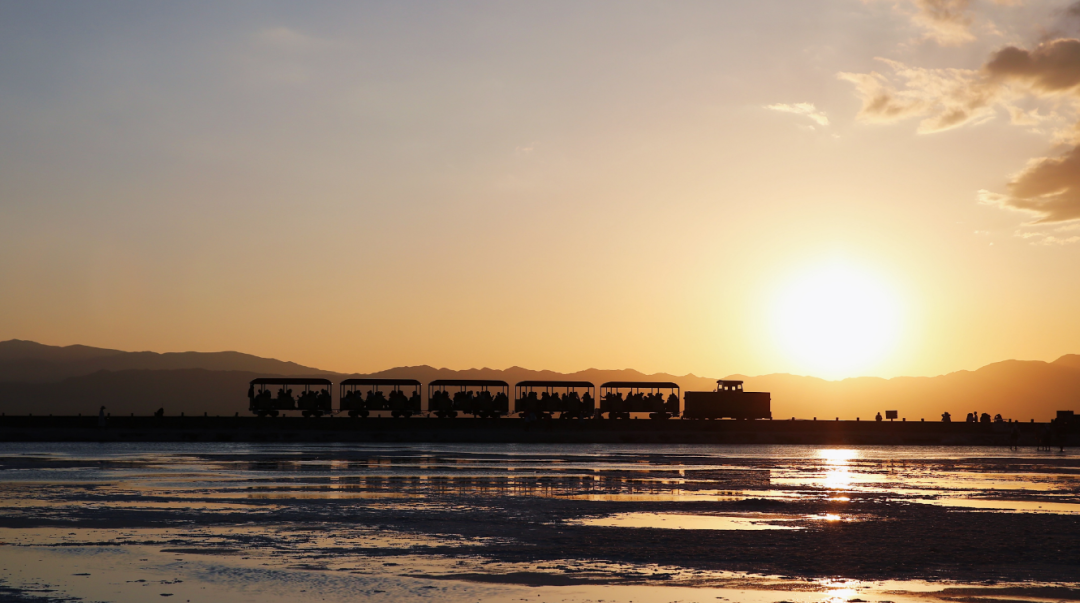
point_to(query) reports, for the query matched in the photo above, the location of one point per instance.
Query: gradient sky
(555, 185)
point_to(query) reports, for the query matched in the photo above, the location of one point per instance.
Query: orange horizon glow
(829, 189)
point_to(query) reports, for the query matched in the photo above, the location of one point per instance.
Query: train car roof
(290, 381)
(642, 384)
(487, 382)
(380, 382)
(554, 384)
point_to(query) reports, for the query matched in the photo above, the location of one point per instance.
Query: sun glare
(836, 320)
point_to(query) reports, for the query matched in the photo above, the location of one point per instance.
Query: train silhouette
(490, 399)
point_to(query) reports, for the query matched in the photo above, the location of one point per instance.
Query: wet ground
(267, 523)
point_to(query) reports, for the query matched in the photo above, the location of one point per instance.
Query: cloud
(946, 98)
(1052, 67)
(1048, 188)
(948, 22)
(1041, 238)
(805, 109)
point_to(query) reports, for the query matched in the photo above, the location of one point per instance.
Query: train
(491, 399)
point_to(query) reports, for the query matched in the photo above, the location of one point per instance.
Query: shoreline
(514, 431)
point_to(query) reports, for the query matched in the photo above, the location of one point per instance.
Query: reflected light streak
(837, 475)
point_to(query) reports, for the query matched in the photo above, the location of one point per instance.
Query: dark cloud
(1048, 187)
(1052, 67)
(1073, 12)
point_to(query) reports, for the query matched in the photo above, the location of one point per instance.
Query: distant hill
(189, 391)
(27, 361)
(1017, 389)
(77, 379)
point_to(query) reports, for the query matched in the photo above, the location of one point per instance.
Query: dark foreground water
(267, 523)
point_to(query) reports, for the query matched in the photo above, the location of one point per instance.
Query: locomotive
(490, 399)
(728, 401)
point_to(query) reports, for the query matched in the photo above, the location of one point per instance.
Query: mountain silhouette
(41, 379)
(27, 361)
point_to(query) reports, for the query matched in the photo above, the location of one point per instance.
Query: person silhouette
(101, 420)
(878, 417)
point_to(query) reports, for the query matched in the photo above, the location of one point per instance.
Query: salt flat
(458, 522)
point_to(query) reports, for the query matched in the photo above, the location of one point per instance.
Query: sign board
(891, 414)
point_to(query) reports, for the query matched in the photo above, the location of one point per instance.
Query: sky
(822, 187)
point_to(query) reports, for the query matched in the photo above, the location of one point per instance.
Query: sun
(836, 320)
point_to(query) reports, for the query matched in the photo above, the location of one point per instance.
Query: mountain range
(42, 379)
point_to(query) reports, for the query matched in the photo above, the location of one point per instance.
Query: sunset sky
(832, 188)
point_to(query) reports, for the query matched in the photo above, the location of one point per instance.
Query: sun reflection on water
(837, 473)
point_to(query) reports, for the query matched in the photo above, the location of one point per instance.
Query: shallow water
(507, 522)
(688, 521)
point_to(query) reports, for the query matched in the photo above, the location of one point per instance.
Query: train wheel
(395, 414)
(352, 414)
(273, 413)
(406, 414)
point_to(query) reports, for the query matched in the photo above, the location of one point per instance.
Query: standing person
(1014, 438)
(101, 417)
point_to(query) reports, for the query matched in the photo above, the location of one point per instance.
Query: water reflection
(838, 468)
(686, 521)
(345, 510)
(31, 475)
